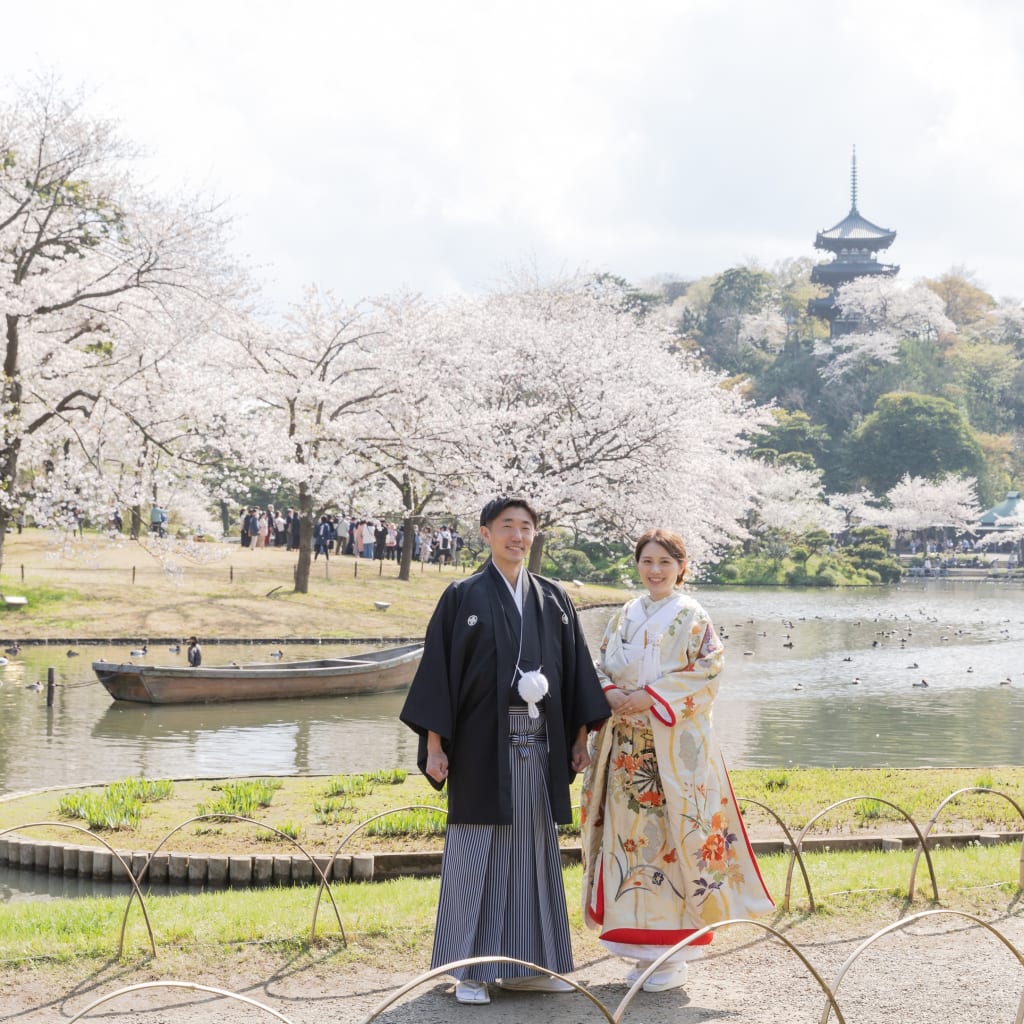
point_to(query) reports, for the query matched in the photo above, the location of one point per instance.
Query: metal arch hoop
(128, 871)
(895, 926)
(938, 811)
(638, 984)
(193, 986)
(794, 850)
(470, 962)
(831, 807)
(340, 847)
(250, 821)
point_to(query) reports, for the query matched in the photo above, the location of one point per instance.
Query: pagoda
(855, 243)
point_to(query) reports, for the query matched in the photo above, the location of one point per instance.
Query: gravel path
(941, 968)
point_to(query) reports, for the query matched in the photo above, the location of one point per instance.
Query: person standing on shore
(502, 702)
(665, 852)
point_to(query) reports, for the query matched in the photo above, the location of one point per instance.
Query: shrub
(289, 828)
(102, 811)
(868, 809)
(349, 785)
(409, 823)
(828, 577)
(774, 781)
(243, 799)
(334, 811)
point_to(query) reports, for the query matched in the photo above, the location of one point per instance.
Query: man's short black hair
(496, 506)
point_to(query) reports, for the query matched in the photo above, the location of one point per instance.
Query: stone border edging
(247, 870)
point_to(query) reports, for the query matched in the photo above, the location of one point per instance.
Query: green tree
(988, 375)
(916, 434)
(735, 293)
(794, 433)
(963, 301)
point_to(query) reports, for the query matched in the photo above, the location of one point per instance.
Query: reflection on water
(962, 637)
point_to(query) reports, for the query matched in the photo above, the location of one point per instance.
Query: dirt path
(941, 968)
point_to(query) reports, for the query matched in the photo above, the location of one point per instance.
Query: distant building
(1011, 507)
(854, 243)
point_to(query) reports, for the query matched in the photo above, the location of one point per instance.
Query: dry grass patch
(95, 587)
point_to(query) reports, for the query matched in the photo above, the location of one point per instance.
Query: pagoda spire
(853, 181)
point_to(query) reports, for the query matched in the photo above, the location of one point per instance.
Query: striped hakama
(501, 885)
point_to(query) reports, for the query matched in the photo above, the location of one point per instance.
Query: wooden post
(231, 574)
(133, 574)
(355, 567)
(50, 684)
(23, 572)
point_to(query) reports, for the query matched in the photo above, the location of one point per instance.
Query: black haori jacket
(462, 687)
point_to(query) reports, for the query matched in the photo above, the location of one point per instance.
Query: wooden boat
(371, 672)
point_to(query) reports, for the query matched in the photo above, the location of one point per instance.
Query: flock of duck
(882, 638)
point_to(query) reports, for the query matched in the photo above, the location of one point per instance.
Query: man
(194, 652)
(508, 754)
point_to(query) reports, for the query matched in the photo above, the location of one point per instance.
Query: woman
(664, 847)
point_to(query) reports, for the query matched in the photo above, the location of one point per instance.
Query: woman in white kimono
(665, 852)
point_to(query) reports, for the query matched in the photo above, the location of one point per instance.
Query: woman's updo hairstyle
(670, 541)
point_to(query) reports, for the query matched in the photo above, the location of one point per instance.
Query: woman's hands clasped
(624, 704)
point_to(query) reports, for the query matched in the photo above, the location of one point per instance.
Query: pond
(787, 697)
(962, 637)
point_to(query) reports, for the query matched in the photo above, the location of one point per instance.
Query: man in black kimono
(508, 752)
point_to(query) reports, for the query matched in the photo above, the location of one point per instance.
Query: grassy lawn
(796, 796)
(95, 587)
(391, 923)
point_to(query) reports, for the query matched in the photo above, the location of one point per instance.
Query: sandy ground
(940, 968)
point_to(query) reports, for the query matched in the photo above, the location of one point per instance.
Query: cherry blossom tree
(301, 395)
(419, 442)
(886, 313)
(789, 500)
(99, 279)
(916, 503)
(767, 329)
(576, 402)
(854, 507)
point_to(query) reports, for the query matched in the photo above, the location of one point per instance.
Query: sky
(404, 145)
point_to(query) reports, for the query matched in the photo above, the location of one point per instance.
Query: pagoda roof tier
(857, 232)
(839, 272)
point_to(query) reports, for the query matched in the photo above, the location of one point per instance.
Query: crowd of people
(509, 706)
(350, 535)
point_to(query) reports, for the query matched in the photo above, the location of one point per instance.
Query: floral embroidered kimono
(665, 852)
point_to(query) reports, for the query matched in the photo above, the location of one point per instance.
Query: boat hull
(372, 672)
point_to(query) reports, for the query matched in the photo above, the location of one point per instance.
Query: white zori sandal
(472, 993)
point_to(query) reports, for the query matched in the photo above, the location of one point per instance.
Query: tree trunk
(305, 562)
(536, 553)
(10, 400)
(5, 518)
(408, 532)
